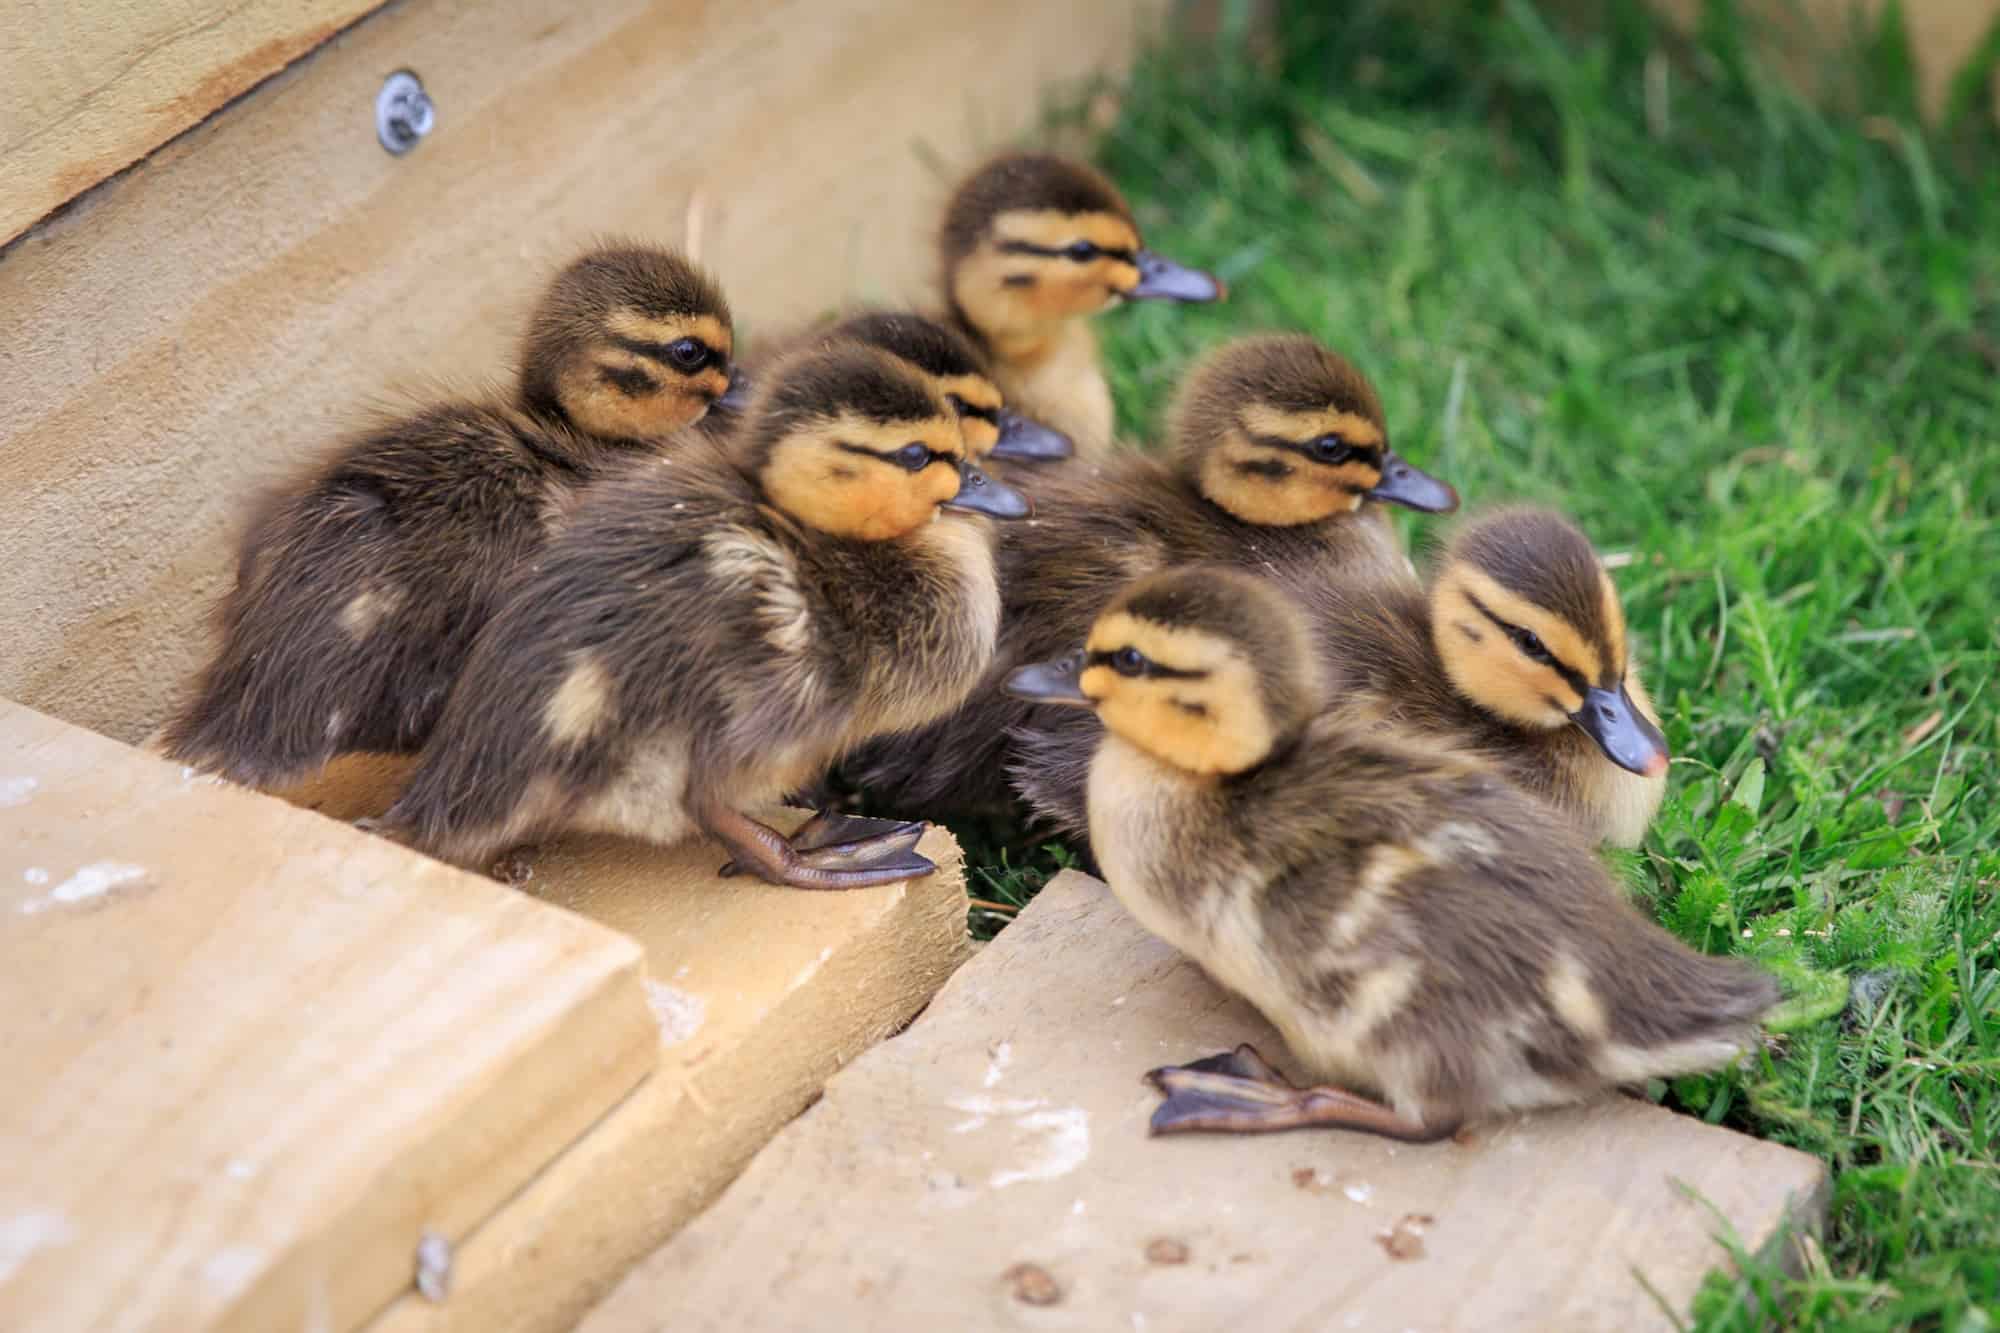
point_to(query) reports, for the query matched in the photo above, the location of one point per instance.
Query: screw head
(403, 112)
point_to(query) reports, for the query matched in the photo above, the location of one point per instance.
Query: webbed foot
(1238, 1092)
(829, 851)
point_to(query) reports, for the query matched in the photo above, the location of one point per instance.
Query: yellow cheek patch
(1229, 477)
(602, 408)
(1558, 635)
(1213, 723)
(1491, 671)
(648, 328)
(1053, 229)
(811, 477)
(1300, 427)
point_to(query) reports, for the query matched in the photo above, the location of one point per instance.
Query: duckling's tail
(1686, 1013)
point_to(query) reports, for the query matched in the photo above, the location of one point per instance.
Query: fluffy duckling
(1032, 245)
(710, 634)
(359, 590)
(1518, 651)
(955, 368)
(1408, 920)
(1279, 461)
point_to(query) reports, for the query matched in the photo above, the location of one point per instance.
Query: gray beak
(981, 494)
(1412, 487)
(737, 397)
(1622, 731)
(1057, 682)
(1021, 438)
(1161, 279)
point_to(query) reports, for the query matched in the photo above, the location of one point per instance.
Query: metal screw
(403, 112)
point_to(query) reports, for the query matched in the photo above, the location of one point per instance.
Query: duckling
(359, 589)
(1279, 461)
(1518, 651)
(1033, 244)
(954, 366)
(1415, 927)
(712, 633)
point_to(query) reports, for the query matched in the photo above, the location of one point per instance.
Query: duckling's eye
(915, 457)
(1081, 251)
(1331, 449)
(1527, 641)
(1128, 662)
(687, 353)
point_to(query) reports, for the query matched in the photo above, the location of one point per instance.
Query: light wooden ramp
(990, 1168)
(251, 1055)
(761, 992)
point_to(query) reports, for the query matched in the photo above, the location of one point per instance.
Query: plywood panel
(88, 87)
(252, 1054)
(764, 992)
(207, 320)
(990, 1168)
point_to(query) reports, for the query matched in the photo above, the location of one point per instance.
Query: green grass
(1753, 346)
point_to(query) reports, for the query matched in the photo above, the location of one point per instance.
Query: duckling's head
(1206, 668)
(1031, 239)
(958, 371)
(1278, 430)
(855, 443)
(629, 342)
(1530, 628)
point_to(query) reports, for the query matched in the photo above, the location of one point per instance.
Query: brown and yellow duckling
(359, 590)
(955, 368)
(1519, 652)
(1033, 245)
(708, 636)
(1279, 462)
(1397, 910)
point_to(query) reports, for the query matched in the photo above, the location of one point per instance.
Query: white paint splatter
(238, 1169)
(93, 881)
(1360, 1193)
(22, 1236)
(679, 1013)
(806, 972)
(230, 1269)
(1066, 1146)
(16, 791)
(980, 1109)
(35, 875)
(997, 1061)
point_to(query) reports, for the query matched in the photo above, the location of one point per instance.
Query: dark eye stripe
(889, 456)
(1367, 454)
(1565, 670)
(1152, 668)
(1062, 252)
(660, 352)
(989, 415)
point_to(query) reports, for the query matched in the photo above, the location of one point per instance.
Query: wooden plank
(211, 318)
(252, 1054)
(88, 87)
(763, 993)
(1007, 1127)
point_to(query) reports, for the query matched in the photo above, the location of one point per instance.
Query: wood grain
(252, 1054)
(990, 1168)
(201, 325)
(764, 992)
(88, 87)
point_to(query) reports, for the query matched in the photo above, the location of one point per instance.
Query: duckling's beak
(981, 494)
(737, 396)
(1057, 682)
(1031, 440)
(1412, 487)
(1627, 738)
(1161, 279)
